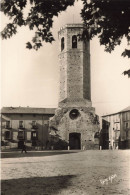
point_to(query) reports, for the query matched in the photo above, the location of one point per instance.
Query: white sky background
(31, 78)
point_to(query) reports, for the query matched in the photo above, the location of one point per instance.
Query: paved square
(66, 172)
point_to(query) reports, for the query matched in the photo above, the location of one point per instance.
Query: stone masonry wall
(75, 93)
(74, 66)
(84, 124)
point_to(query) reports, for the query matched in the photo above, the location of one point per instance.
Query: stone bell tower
(75, 122)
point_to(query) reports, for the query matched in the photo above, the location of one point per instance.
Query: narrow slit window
(62, 44)
(74, 41)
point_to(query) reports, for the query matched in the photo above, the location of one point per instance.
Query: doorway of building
(75, 141)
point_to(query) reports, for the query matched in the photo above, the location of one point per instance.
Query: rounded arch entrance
(75, 141)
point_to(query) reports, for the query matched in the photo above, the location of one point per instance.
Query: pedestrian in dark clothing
(24, 148)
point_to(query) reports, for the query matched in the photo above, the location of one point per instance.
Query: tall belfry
(75, 121)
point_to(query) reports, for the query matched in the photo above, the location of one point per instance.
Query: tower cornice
(71, 25)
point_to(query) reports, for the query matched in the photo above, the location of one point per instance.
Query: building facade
(25, 124)
(115, 131)
(125, 128)
(75, 122)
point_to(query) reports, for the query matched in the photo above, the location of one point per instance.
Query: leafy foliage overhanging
(108, 19)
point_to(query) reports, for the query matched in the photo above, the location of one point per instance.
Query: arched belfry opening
(75, 141)
(62, 44)
(74, 41)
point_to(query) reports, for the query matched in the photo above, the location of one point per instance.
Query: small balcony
(8, 127)
(34, 127)
(21, 127)
(126, 129)
(21, 138)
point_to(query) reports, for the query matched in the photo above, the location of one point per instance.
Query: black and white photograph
(65, 97)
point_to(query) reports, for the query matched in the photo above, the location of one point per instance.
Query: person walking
(24, 148)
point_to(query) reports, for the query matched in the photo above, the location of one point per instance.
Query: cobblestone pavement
(103, 172)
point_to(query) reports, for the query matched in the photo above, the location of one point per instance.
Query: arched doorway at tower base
(75, 141)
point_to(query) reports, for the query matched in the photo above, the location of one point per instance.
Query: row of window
(21, 135)
(116, 125)
(74, 42)
(117, 117)
(21, 124)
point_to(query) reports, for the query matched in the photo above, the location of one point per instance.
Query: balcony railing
(34, 138)
(127, 129)
(21, 127)
(8, 127)
(7, 138)
(34, 127)
(20, 137)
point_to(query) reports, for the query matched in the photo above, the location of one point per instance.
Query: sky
(31, 78)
